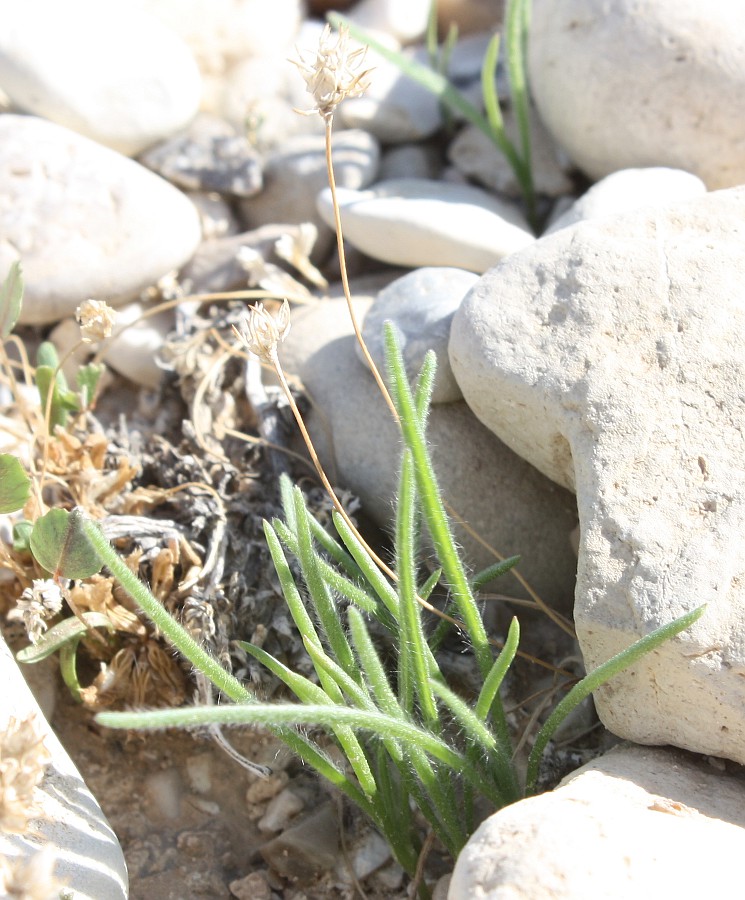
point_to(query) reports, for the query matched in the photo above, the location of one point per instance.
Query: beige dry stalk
(333, 74)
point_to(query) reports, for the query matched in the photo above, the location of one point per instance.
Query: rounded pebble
(105, 70)
(83, 220)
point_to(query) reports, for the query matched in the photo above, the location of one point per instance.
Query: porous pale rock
(296, 171)
(415, 222)
(502, 498)
(421, 306)
(394, 108)
(83, 220)
(407, 22)
(610, 354)
(630, 189)
(222, 33)
(104, 70)
(208, 156)
(619, 827)
(478, 157)
(70, 822)
(622, 86)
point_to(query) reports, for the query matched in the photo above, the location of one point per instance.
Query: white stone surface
(223, 33)
(83, 220)
(624, 86)
(414, 222)
(611, 356)
(637, 822)
(359, 444)
(421, 305)
(407, 22)
(87, 853)
(478, 157)
(631, 189)
(394, 108)
(296, 171)
(105, 70)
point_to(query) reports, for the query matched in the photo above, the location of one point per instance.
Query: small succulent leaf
(11, 298)
(61, 546)
(71, 629)
(15, 485)
(87, 379)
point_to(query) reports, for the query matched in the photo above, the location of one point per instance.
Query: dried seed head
(261, 332)
(96, 319)
(334, 72)
(39, 602)
(23, 758)
(31, 878)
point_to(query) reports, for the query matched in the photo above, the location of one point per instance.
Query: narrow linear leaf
(591, 682)
(71, 629)
(15, 485)
(490, 573)
(11, 299)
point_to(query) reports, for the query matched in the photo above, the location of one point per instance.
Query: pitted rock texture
(83, 220)
(611, 355)
(622, 84)
(619, 827)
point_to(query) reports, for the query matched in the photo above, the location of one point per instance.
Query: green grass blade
(432, 81)
(309, 694)
(517, 17)
(371, 572)
(319, 594)
(490, 573)
(414, 682)
(433, 507)
(591, 682)
(294, 714)
(502, 663)
(292, 596)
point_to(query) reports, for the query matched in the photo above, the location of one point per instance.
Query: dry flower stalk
(334, 72)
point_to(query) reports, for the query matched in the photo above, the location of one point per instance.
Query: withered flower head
(261, 332)
(96, 320)
(23, 757)
(333, 72)
(39, 602)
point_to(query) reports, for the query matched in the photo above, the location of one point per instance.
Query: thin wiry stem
(344, 279)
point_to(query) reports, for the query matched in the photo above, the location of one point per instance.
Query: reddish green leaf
(59, 544)
(15, 485)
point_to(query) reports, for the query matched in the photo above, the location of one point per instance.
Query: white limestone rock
(611, 356)
(86, 853)
(83, 220)
(503, 498)
(476, 156)
(637, 822)
(104, 70)
(407, 22)
(415, 222)
(296, 171)
(394, 108)
(623, 86)
(421, 305)
(630, 189)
